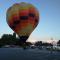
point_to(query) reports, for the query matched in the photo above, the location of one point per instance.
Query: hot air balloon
(22, 18)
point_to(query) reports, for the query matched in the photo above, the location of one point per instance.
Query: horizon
(45, 40)
(49, 23)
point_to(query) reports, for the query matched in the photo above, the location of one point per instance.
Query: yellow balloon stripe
(26, 31)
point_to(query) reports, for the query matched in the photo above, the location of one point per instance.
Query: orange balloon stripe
(23, 13)
(21, 26)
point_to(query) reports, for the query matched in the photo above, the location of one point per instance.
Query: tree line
(9, 39)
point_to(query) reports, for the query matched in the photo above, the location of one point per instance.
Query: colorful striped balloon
(22, 19)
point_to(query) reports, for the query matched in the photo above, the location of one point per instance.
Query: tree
(38, 43)
(47, 44)
(8, 39)
(58, 43)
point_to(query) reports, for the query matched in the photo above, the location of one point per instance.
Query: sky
(49, 19)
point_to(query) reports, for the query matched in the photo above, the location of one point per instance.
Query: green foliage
(58, 43)
(38, 43)
(8, 39)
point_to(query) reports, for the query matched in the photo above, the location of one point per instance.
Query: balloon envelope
(22, 18)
